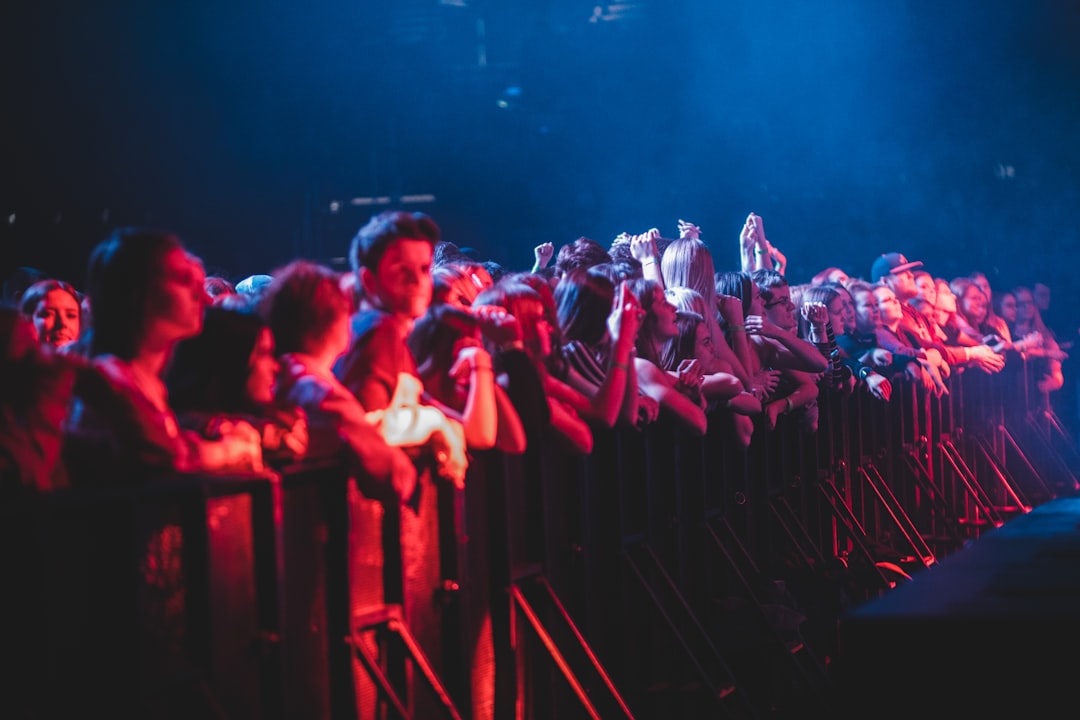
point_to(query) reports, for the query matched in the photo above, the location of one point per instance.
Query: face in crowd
(57, 318)
(889, 305)
(780, 310)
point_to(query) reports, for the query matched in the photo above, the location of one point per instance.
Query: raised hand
(498, 325)
(815, 312)
(730, 308)
(748, 237)
(689, 230)
(469, 359)
(543, 254)
(625, 317)
(643, 247)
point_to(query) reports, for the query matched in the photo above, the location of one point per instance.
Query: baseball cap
(891, 263)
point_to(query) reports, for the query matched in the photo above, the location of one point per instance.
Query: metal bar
(553, 650)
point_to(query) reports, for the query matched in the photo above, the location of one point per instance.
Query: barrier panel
(142, 601)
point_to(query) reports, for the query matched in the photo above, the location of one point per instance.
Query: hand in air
(643, 247)
(543, 254)
(498, 325)
(689, 230)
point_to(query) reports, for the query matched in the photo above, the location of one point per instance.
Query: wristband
(620, 366)
(737, 328)
(789, 404)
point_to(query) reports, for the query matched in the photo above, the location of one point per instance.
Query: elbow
(482, 437)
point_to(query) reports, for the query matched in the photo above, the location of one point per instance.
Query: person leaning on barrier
(862, 342)
(308, 313)
(148, 294)
(679, 391)
(778, 346)
(599, 323)
(894, 271)
(392, 258)
(227, 373)
(530, 368)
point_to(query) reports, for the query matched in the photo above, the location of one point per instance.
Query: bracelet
(478, 368)
(620, 366)
(649, 261)
(737, 328)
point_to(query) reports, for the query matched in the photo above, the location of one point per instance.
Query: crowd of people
(423, 353)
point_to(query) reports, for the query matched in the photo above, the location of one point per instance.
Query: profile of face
(401, 282)
(1007, 308)
(56, 318)
(780, 310)
(838, 314)
(946, 298)
(757, 301)
(888, 305)
(902, 284)
(867, 315)
(1042, 296)
(177, 300)
(982, 283)
(262, 369)
(927, 289)
(973, 305)
(703, 347)
(664, 313)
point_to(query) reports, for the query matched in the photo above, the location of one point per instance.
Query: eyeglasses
(785, 301)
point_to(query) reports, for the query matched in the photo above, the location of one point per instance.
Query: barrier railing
(660, 576)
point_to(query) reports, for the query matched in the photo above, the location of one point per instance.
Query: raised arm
(643, 249)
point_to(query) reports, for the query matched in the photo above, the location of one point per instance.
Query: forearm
(804, 393)
(802, 355)
(650, 270)
(480, 417)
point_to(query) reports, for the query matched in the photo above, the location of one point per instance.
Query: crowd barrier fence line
(662, 575)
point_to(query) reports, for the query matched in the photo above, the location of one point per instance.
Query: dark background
(943, 130)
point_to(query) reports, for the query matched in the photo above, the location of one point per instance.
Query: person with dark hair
(600, 328)
(55, 309)
(148, 294)
(530, 367)
(308, 315)
(458, 372)
(459, 282)
(583, 253)
(778, 346)
(227, 373)
(392, 258)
